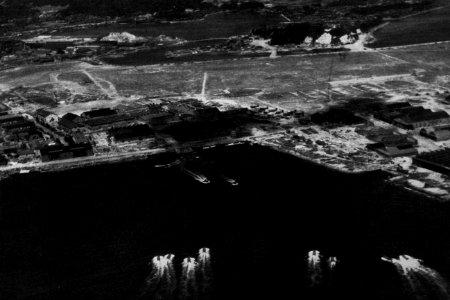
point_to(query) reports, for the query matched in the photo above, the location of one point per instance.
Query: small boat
(229, 180)
(386, 259)
(232, 181)
(199, 177)
(174, 163)
(332, 261)
(235, 143)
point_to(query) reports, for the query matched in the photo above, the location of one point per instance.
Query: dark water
(158, 55)
(429, 27)
(219, 25)
(90, 233)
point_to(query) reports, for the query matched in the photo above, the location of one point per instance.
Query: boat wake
(197, 176)
(422, 282)
(194, 281)
(231, 181)
(315, 268)
(161, 283)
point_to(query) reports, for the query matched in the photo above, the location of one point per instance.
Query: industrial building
(438, 161)
(422, 118)
(410, 117)
(437, 133)
(3, 160)
(129, 133)
(102, 112)
(3, 109)
(58, 152)
(17, 128)
(9, 119)
(336, 116)
(68, 122)
(394, 150)
(46, 117)
(389, 143)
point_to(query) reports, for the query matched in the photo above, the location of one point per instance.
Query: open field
(305, 82)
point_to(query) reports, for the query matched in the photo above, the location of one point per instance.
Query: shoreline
(93, 161)
(82, 162)
(78, 163)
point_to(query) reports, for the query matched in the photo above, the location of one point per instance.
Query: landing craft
(189, 260)
(232, 181)
(229, 180)
(314, 256)
(386, 259)
(234, 143)
(199, 177)
(169, 256)
(204, 250)
(332, 261)
(174, 163)
(408, 262)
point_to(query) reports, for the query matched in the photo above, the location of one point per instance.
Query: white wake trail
(162, 280)
(188, 282)
(314, 267)
(421, 281)
(204, 272)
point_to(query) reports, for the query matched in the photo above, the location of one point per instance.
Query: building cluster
(390, 143)
(24, 138)
(266, 112)
(431, 124)
(408, 123)
(387, 142)
(414, 120)
(19, 137)
(43, 135)
(406, 116)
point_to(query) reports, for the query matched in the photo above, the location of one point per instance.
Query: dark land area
(220, 25)
(433, 26)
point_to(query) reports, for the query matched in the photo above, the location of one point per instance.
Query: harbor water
(275, 227)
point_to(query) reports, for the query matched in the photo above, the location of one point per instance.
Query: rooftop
(102, 112)
(422, 115)
(43, 113)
